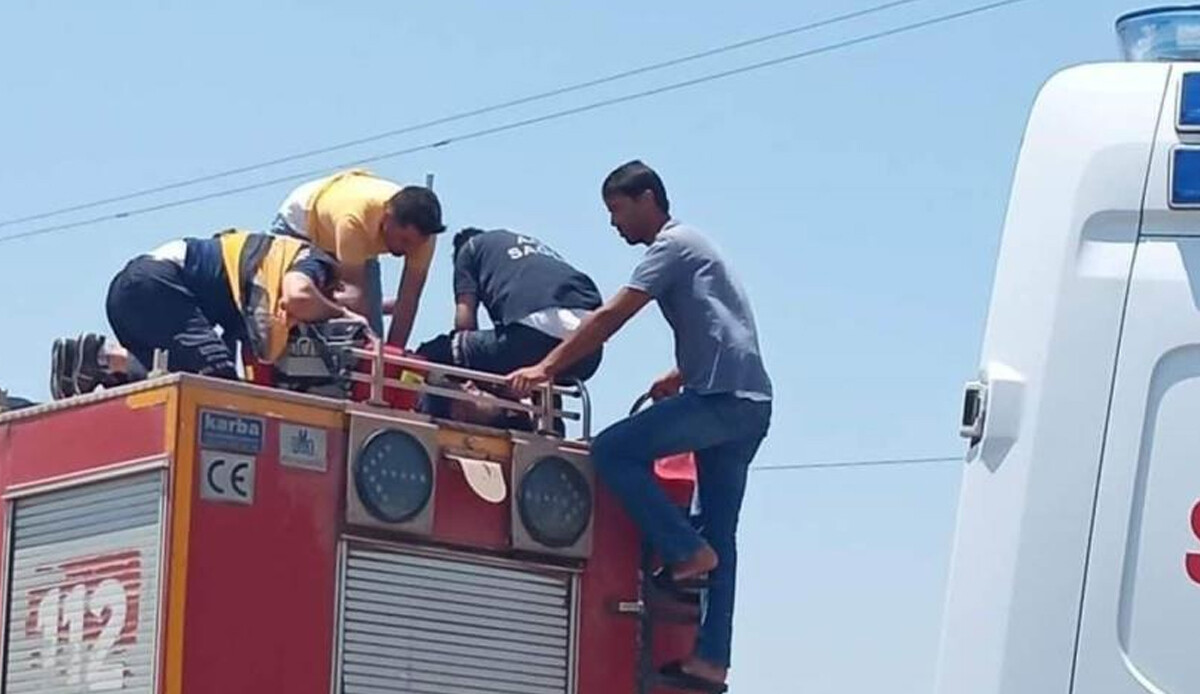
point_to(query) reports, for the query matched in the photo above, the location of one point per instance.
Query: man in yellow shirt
(356, 217)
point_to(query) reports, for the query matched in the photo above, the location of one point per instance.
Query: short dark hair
(461, 238)
(418, 206)
(631, 179)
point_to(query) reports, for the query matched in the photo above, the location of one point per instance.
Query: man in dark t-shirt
(533, 297)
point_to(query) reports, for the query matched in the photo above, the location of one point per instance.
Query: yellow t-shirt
(346, 219)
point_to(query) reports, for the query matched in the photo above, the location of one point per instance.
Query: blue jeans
(373, 291)
(724, 432)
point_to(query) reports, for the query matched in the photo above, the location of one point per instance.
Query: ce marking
(226, 477)
(237, 477)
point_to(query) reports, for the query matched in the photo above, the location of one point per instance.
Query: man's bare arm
(302, 301)
(408, 299)
(466, 312)
(353, 293)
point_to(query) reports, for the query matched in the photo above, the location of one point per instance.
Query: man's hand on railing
(523, 381)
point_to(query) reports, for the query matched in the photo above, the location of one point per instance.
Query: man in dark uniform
(533, 297)
(253, 287)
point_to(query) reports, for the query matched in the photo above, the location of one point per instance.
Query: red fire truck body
(193, 535)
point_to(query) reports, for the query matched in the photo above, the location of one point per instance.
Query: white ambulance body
(1076, 565)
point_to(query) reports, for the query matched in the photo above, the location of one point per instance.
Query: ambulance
(1076, 561)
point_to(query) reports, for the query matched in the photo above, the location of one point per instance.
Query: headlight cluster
(555, 502)
(393, 476)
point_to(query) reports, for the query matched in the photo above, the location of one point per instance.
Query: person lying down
(490, 413)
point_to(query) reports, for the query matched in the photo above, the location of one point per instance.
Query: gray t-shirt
(716, 343)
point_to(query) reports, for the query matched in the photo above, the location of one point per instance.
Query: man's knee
(608, 449)
(438, 350)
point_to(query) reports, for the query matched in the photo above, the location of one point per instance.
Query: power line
(884, 462)
(463, 115)
(675, 86)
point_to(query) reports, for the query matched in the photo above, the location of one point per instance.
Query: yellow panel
(149, 398)
(184, 456)
(182, 412)
(253, 403)
(172, 421)
(182, 433)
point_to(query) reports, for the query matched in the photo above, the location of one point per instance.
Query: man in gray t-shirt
(715, 403)
(716, 345)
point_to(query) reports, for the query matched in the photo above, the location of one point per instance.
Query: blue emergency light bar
(1188, 117)
(1161, 34)
(1185, 177)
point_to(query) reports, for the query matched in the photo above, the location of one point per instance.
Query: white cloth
(171, 251)
(556, 322)
(294, 209)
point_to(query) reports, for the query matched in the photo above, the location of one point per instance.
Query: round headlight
(555, 502)
(393, 475)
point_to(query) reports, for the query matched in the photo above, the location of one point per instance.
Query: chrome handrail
(585, 399)
(544, 412)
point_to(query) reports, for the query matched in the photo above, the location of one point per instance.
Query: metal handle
(974, 411)
(158, 366)
(585, 402)
(545, 412)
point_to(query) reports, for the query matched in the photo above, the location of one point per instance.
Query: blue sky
(860, 194)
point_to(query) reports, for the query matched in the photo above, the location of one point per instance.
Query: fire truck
(310, 533)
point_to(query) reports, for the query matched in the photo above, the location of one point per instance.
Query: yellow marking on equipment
(149, 398)
(263, 406)
(181, 428)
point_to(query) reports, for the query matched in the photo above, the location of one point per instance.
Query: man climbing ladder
(715, 403)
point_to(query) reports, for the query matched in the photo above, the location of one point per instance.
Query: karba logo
(231, 425)
(82, 620)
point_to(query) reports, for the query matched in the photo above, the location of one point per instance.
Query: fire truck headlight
(555, 502)
(393, 476)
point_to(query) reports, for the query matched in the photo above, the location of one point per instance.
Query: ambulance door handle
(973, 411)
(993, 409)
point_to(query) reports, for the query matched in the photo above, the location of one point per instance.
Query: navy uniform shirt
(203, 274)
(515, 276)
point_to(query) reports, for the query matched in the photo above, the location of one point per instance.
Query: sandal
(62, 367)
(673, 676)
(88, 374)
